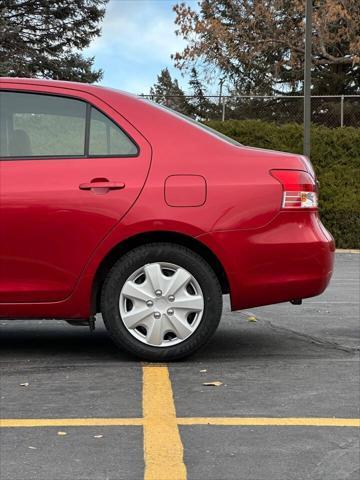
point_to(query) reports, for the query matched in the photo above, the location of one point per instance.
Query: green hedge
(336, 158)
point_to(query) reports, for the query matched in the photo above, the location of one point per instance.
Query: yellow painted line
(163, 449)
(231, 421)
(68, 422)
(270, 421)
(347, 250)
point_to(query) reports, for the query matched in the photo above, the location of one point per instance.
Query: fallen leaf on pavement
(251, 318)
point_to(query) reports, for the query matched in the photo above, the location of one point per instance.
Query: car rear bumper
(291, 258)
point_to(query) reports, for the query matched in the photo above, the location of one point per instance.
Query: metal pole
(307, 76)
(223, 109)
(342, 111)
(221, 83)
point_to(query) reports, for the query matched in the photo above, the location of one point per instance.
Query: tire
(162, 335)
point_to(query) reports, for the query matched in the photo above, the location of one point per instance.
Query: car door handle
(103, 185)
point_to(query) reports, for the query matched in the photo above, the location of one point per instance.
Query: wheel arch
(152, 237)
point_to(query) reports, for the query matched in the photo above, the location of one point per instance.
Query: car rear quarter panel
(241, 194)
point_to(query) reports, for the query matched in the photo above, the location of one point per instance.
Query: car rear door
(70, 169)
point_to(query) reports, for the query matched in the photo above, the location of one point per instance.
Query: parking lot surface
(286, 406)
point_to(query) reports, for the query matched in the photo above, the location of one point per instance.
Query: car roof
(84, 87)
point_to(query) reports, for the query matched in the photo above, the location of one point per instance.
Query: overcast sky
(136, 43)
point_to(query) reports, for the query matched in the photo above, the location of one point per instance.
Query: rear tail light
(299, 189)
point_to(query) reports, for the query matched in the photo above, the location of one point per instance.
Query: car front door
(70, 169)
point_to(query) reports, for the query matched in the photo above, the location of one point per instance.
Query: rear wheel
(161, 302)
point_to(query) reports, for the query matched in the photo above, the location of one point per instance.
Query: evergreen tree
(202, 106)
(167, 92)
(43, 38)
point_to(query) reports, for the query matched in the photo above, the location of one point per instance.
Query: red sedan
(113, 204)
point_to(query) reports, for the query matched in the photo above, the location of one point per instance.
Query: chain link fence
(328, 110)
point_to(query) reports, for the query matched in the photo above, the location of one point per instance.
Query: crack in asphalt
(309, 338)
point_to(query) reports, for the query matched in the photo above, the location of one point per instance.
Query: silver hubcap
(161, 304)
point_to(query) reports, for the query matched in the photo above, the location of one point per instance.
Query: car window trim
(87, 129)
(86, 155)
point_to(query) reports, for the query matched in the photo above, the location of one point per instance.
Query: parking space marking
(163, 448)
(133, 422)
(69, 422)
(139, 422)
(271, 421)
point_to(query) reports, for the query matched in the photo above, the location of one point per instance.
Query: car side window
(107, 139)
(37, 125)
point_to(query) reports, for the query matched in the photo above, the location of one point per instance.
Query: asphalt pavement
(280, 361)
